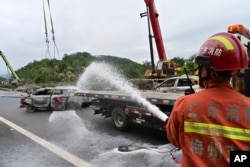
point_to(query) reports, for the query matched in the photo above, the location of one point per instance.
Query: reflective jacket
(209, 124)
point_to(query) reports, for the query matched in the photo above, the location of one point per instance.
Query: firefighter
(207, 125)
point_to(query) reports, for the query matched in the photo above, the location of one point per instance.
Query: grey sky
(111, 27)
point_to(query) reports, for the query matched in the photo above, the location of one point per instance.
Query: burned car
(179, 84)
(51, 99)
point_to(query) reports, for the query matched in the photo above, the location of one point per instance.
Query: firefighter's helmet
(223, 52)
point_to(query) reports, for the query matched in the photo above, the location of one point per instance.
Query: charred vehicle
(51, 99)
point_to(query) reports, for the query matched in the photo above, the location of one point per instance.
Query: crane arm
(8, 65)
(153, 15)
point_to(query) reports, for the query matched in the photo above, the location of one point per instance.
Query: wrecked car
(52, 99)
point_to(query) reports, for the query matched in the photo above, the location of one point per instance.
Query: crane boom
(153, 15)
(9, 66)
(164, 68)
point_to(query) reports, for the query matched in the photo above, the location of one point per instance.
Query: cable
(52, 31)
(46, 33)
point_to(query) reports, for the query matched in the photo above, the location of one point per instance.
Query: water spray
(99, 72)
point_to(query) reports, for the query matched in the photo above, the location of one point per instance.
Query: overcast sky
(111, 27)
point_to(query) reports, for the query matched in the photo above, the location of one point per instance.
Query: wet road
(74, 138)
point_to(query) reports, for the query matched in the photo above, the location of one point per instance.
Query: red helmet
(222, 52)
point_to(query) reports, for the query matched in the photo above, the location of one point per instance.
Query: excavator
(164, 68)
(14, 81)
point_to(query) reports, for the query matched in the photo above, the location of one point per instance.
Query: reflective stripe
(217, 130)
(224, 41)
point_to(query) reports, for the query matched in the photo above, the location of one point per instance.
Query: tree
(67, 75)
(179, 61)
(190, 65)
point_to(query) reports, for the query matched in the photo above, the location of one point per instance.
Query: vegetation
(190, 66)
(50, 72)
(66, 71)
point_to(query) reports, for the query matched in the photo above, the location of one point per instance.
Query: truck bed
(124, 107)
(155, 97)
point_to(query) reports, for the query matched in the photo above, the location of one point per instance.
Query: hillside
(70, 67)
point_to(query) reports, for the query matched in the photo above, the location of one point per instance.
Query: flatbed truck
(150, 109)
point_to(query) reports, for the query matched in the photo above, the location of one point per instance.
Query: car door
(183, 84)
(168, 85)
(59, 99)
(41, 98)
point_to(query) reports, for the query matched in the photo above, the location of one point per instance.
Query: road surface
(75, 138)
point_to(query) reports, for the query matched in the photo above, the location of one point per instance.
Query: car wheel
(119, 119)
(31, 109)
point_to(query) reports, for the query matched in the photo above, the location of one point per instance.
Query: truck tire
(119, 119)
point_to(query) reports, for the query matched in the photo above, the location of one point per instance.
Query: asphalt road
(75, 138)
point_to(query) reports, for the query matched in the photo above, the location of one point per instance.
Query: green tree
(190, 65)
(67, 75)
(179, 61)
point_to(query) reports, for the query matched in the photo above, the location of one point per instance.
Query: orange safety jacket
(209, 124)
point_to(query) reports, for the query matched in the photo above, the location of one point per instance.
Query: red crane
(164, 66)
(153, 15)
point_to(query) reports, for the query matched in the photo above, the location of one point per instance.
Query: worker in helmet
(207, 125)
